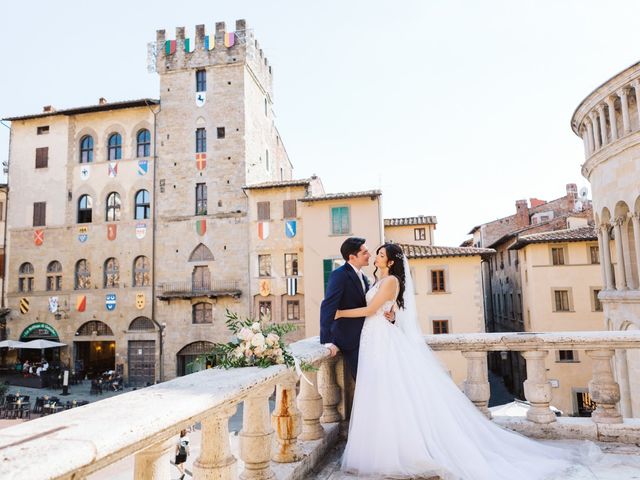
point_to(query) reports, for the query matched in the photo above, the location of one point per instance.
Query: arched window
(115, 147)
(142, 324)
(191, 358)
(86, 149)
(111, 273)
(82, 275)
(143, 141)
(100, 328)
(202, 313)
(201, 254)
(113, 207)
(54, 276)
(143, 207)
(85, 206)
(141, 272)
(25, 278)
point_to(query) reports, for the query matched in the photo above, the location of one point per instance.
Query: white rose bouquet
(254, 344)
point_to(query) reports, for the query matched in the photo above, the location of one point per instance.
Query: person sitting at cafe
(26, 367)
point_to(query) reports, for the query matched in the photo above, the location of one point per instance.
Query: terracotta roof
(419, 220)
(143, 102)
(338, 196)
(582, 234)
(424, 251)
(302, 182)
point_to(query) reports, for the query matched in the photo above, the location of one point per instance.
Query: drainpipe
(153, 245)
(6, 209)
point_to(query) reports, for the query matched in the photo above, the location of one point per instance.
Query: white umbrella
(41, 344)
(10, 344)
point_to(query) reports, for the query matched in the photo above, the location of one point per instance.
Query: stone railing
(287, 443)
(194, 288)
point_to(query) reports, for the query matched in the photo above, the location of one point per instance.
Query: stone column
(603, 388)
(310, 404)
(476, 386)
(606, 252)
(592, 143)
(622, 377)
(612, 118)
(585, 141)
(256, 436)
(537, 389)
(286, 422)
(626, 123)
(603, 124)
(626, 248)
(603, 274)
(636, 87)
(596, 130)
(635, 219)
(330, 391)
(153, 463)
(621, 279)
(216, 461)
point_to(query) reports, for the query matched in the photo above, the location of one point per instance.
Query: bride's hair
(394, 253)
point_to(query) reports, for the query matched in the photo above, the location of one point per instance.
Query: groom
(346, 289)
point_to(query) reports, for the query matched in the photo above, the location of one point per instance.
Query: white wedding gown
(410, 420)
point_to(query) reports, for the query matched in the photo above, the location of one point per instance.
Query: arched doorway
(190, 358)
(95, 349)
(141, 353)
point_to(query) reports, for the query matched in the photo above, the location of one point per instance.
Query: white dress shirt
(359, 273)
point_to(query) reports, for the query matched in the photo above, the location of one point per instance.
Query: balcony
(192, 289)
(308, 418)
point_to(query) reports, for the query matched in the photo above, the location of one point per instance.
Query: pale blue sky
(453, 108)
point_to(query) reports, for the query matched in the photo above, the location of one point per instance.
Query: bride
(409, 419)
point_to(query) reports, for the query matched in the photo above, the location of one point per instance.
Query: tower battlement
(220, 48)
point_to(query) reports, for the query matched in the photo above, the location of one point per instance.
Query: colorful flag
(113, 169)
(201, 227)
(189, 46)
(265, 288)
(81, 303)
(201, 98)
(140, 301)
(201, 161)
(38, 237)
(141, 230)
(208, 44)
(263, 230)
(292, 286)
(143, 167)
(110, 301)
(112, 231)
(24, 305)
(53, 304)
(170, 47)
(290, 228)
(229, 39)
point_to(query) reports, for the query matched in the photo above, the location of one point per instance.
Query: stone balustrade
(290, 440)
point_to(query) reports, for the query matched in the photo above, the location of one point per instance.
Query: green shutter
(327, 266)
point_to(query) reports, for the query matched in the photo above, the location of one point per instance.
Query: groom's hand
(332, 348)
(390, 316)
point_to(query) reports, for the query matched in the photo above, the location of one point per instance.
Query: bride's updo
(394, 253)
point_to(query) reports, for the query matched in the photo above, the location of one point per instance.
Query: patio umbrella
(41, 344)
(10, 344)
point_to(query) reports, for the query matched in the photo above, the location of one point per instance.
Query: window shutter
(42, 157)
(39, 214)
(264, 211)
(2, 266)
(289, 208)
(327, 266)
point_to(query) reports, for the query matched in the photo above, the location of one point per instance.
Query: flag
(53, 304)
(265, 288)
(110, 301)
(229, 39)
(201, 227)
(140, 301)
(112, 231)
(143, 167)
(81, 303)
(201, 161)
(263, 230)
(292, 286)
(290, 228)
(170, 47)
(113, 169)
(24, 305)
(38, 237)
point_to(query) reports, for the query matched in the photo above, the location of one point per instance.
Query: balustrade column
(286, 422)
(603, 274)
(585, 140)
(636, 87)
(310, 404)
(216, 462)
(612, 118)
(622, 377)
(635, 219)
(476, 386)
(621, 278)
(603, 125)
(330, 391)
(537, 389)
(256, 436)
(603, 388)
(592, 143)
(596, 130)
(624, 103)
(626, 248)
(153, 463)
(604, 228)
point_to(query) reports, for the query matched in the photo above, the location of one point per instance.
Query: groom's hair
(351, 246)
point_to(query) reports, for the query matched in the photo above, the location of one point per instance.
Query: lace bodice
(372, 293)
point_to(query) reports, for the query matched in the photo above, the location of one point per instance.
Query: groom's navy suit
(344, 291)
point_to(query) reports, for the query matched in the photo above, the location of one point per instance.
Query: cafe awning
(40, 344)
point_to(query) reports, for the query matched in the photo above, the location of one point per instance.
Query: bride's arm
(385, 293)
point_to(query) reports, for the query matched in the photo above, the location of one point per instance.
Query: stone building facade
(608, 121)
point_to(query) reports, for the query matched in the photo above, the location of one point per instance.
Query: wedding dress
(410, 420)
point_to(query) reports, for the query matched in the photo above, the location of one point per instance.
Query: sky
(453, 108)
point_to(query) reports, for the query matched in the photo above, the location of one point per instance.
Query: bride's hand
(337, 315)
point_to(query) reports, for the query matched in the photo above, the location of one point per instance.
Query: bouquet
(254, 344)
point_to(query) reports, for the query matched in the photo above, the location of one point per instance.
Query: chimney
(102, 101)
(48, 109)
(522, 214)
(572, 196)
